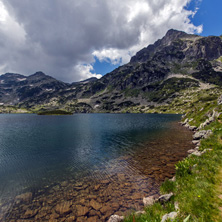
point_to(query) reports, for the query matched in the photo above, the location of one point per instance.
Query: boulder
(171, 215)
(196, 153)
(192, 128)
(148, 201)
(202, 134)
(185, 121)
(25, 197)
(191, 151)
(116, 218)
(195, 142)
(165, 198)
(95, 205)
(81, 210)
(63, 208)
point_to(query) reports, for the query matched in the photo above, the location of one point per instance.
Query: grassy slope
(198, 179)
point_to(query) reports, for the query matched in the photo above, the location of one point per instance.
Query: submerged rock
(30, 213)
(63, 208)
(81, 210)
(26, 197)
(95, 205)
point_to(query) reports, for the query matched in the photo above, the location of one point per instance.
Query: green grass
(198, 179)
(55, 112)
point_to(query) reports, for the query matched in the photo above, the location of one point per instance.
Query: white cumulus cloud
(57, 36)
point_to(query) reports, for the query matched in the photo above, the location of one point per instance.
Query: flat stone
(165, 198)
(115, 206)
(191, 151)
(93, 219)
(104, 181)
(105, 209)
(81, 219)
(148, 201)
(70, 219)
(26, 197)
(197, 153)
(53, 220)
(40, 215)
(116, 218)
(195, 142)
(95, 205)
(63, 208)
(30, 213)
(171, 215)
(136, 196)
(81, 210)
(54, 216)
(192, 128)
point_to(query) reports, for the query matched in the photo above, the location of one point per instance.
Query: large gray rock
(148, 201)
(192, 128)
(202, 134)
(165, 198)
(116, 218)
(171, 215)
(191, 151)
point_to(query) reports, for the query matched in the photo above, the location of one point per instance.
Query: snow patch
(19, 79)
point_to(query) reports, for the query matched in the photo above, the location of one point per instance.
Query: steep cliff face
(153, 76)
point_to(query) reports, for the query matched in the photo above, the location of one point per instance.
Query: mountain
(154, 77)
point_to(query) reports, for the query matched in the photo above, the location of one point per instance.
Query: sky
(73, 40)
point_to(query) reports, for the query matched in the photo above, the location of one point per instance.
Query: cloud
(85, 71)
(57, 36)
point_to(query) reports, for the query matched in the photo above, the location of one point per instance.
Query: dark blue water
(40, 150)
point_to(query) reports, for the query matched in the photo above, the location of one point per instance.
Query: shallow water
(84, 167)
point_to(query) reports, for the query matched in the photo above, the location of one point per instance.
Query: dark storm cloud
(58, 36)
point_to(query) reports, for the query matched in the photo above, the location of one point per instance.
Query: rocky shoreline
(198, 134)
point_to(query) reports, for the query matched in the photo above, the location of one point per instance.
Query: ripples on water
(86, 166)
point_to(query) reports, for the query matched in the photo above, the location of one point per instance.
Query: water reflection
(85, 167)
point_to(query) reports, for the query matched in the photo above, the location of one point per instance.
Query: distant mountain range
(155, 76)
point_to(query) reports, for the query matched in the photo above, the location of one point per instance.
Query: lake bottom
(95, 197)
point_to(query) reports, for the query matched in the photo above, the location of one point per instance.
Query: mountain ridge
(149, 79)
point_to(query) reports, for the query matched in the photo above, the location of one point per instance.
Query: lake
(85, 167)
